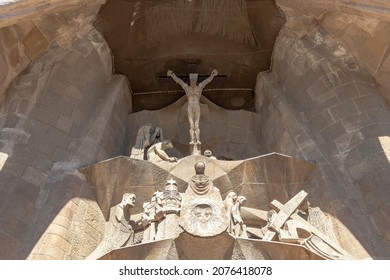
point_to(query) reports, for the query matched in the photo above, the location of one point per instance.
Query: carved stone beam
(276, 205)
(284, 214)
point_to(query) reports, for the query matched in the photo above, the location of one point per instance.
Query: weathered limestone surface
(61, 108)
(65, 111)
(362, 26)
(29, 28)
(332, 112)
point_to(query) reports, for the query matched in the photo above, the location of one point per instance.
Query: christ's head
(193, 79)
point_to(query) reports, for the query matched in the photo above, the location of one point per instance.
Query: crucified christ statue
(193, 93)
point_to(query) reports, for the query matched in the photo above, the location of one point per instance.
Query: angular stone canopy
(297, 121)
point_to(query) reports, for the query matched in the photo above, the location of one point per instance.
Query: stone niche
(229, 134)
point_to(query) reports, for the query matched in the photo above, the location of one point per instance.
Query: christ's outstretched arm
(176, 79)
(209, 79)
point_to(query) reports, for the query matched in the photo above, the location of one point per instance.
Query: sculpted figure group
(200, 211)
(148, 142)
(233, 205)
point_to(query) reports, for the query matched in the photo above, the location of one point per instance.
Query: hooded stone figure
(203, 212)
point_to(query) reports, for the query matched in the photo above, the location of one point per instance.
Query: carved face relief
(128, 199)
(203, 214)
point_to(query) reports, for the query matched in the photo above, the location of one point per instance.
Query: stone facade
(56, 118)
(332, 114)
(325, 102)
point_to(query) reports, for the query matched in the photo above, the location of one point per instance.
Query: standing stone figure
(238, 228)
(193, 93)
(118, 231)
(229, 201)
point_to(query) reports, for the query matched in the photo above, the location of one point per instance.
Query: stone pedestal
(191, 247)
(195, 149)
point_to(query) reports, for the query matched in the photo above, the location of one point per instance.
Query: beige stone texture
(48, 132)
(337, 131)
(321, 99)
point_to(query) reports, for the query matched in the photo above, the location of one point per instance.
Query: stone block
(355, 122)
(320, 87)
(21, 227)
(51, 239)
(58, 197)
(74, 182)
(88, 193)
(320, 118)
(35, 43)
(237, 135)
(343, 110)
(347, 91)
(37, 128)
(16, 136)
(76, 131)
(41, 198)
(93, 232)
(7, 220)
(19, 208)
(36, 256)
(372, 52)
(52, 97)
(60, 155)
(61, 221)
(26, 190)
(41, 163)
(8, 36)
(220, 129)
(372, 131)
(349, 140)
(358, 169)
(52, 251)
(72, 95)
(9, 246)
(366, 88)
(370, 147)
(86, 105)
(66, 212)
(34, 176)
(57, 137)
(22, 154)
(378, 115)
(333, 131)
(369, 102)
(46, 114)
(12, 120)
(312, 153)
(16, 169)
(57, 230)
(23, 106)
